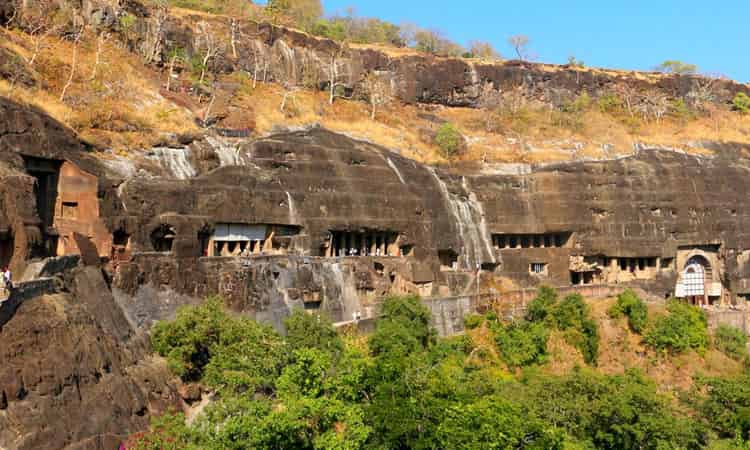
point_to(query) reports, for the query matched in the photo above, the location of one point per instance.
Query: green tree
(731, 341)
(495, 423)
(741, 103)
(676, 67)
(631, 306)
(305, 330)
(684, 328)
(449, 140)
(522, 343)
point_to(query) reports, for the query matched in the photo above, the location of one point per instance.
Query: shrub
(610, 103)
(541, 307)
(206, 344)
(312, 331)
(741, 103)
(684, 328)
(725, 405)
(630, 305)
(523, 343)
(579, 105)
(731, 341)
(572, 316)
(473, 321)
(449, 140)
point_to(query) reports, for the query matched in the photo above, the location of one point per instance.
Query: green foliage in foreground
(523, 343)
(631, 306)
(407, 389)
(683, 329)
(731, 341)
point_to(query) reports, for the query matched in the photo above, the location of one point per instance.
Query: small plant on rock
(449, 140)
(741, 103)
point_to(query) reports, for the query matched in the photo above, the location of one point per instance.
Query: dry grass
(117, 106)
(620, 349)
(121, 108)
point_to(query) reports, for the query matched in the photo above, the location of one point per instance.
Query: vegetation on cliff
(403, 387)
(129, 81)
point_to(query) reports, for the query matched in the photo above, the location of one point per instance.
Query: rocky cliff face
(74, 375)
(294, 58)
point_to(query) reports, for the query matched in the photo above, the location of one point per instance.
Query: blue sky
(636, 34)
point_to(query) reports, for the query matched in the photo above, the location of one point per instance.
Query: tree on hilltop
(676, 67)
(520, 44)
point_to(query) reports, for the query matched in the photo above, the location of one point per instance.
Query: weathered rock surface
(73, 376)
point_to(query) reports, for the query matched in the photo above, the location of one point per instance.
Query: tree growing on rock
(339, 76)
(209, 46)
(520, 44)
(377, 90)
(676, 67)
(483, 50)
(449, 140)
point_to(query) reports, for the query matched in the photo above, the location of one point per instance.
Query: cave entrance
(162, 238)
(448, 260)
(47, 174)
(6, 248)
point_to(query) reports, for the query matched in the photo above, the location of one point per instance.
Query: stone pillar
(384, 244)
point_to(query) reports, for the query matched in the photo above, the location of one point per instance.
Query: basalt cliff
(104, 244)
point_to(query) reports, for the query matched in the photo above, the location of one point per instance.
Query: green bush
(731, 341)
(473, 321)
(206, 344)
(610, 103)
(523, 343)
(572, 316)
(543, 304)
(724, 404)
(312, 331)
(623, 411)
(630, 305)
(449, 140)
(684, 328)
(741, 103)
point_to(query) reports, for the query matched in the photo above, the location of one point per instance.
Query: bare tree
(40, 25)
(234, 35)
(155, 36)
(289, 91)
(260, 61)
(175, 55)
(377, 90)
(73, 63)
(208, 44)
(101, 40)
(335, 74)
(653, 104)
(483, 50)
(702, 93)
(520, 44)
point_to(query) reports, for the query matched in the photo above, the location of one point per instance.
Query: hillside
(507, 112)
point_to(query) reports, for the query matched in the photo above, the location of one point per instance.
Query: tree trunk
(73, 64)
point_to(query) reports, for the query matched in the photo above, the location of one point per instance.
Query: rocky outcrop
(73, 375)
(294, 58)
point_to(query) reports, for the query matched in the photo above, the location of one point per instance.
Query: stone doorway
(6, 249)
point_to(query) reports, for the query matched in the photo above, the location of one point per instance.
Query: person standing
(8, 279)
